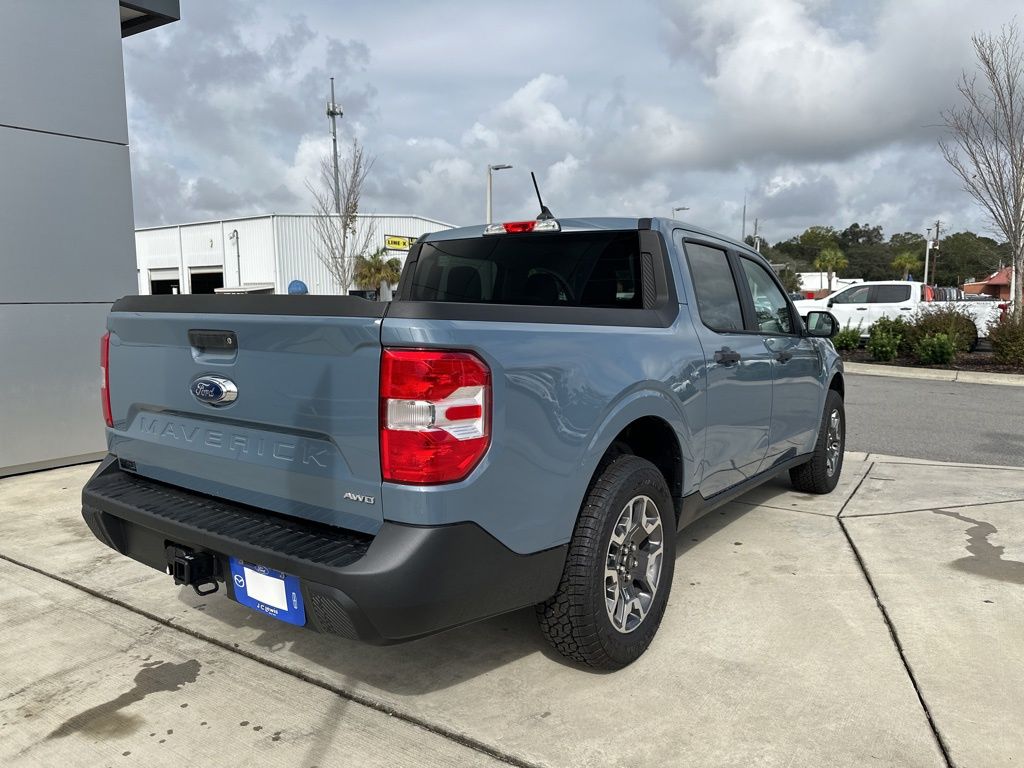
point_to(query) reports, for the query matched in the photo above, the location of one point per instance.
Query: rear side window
(890, 294)
(717, 299)
(572, 269)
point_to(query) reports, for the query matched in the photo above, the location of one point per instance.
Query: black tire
(576, 620)
(814, 476)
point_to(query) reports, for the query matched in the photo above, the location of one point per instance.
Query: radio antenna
(544, 212)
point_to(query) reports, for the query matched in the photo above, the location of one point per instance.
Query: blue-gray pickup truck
(529, 423)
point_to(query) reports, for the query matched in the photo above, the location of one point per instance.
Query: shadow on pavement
(419, 666)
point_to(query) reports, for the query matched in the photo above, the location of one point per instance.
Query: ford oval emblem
(214, 390)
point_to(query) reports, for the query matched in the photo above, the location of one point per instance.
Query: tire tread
(565, 619)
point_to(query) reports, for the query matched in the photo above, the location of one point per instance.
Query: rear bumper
(405, 582)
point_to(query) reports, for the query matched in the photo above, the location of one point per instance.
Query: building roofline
(293, 215)
(140, 15)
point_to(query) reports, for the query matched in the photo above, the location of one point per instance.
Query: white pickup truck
(864, 303)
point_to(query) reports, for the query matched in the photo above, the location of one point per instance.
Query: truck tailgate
(300, 438)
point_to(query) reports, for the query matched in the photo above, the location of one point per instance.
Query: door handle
(862, 309)
(784, 356)
(726, 356)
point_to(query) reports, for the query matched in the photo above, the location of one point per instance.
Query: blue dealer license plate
(268, 591)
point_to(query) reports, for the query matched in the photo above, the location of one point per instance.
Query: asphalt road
(937, 420)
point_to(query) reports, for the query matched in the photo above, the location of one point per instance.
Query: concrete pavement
(801, 631)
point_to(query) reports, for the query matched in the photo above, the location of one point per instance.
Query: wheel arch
(653, 429)
(838, 384)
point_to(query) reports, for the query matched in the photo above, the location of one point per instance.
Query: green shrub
(1007, 337)
(847, 338)
(956, 322)
(897, 327)
(883, 345)
(935, 349)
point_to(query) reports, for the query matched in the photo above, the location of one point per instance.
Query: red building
(996, 285)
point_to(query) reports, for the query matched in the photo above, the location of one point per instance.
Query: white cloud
(821, 111)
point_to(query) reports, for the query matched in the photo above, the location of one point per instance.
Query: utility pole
(935, 259)
(334, 112)
(743, 233)
(757, 240)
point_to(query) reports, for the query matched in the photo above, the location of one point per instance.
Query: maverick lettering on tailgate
(236, 442)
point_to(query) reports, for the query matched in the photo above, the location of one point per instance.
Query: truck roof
(594, 223)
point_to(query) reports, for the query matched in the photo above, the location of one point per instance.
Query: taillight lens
(105, 378)
(519, 227)
(434, 415)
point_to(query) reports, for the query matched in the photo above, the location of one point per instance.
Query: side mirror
(822, 325)
(831, 302)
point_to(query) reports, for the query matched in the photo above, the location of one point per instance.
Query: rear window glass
(573, 269)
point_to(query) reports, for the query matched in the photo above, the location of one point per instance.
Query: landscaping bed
(982, 362)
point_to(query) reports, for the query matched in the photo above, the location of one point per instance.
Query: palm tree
(830, 260)
(905, 262)
(374, 270)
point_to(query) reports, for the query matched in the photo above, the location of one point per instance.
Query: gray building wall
(66, 223)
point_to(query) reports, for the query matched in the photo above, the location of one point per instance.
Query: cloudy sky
(819, 111)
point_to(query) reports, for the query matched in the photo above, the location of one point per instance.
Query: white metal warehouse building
(270, 251)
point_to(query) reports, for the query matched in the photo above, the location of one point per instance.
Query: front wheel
(821, 473)
(618, 570)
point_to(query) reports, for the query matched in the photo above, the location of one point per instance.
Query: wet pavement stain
(107, 719)
(986, 558)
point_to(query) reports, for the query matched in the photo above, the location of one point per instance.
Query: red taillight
(105, 378)
(519, 227)
(514, 227)
(434, 415)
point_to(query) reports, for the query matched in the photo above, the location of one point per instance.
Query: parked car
(862, 304)
(531, 421)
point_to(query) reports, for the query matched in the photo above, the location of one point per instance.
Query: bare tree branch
(338, 241)
(986, 144)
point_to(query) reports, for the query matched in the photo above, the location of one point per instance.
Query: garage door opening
(206, 281)
(164, 281)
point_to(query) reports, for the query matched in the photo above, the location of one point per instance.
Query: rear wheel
(618, 571)
(821, 473)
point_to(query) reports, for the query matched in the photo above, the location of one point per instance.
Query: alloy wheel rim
(633, 565)
(833, 443)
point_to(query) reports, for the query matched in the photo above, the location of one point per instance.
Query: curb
(932, 374)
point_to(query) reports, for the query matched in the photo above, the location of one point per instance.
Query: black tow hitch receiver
(196, 569)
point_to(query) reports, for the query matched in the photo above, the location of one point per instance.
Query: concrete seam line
(467, 741)
(940, 742)
(849, 498)
(946, 465)
(932, 509)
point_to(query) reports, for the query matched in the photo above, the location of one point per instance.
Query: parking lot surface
(939, 420)
(880, 625)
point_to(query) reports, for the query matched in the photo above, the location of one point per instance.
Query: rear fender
(635, 405)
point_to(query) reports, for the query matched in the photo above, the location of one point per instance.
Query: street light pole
(238, 255)
(490, 174)
(334, 112)
(927, 254)
(679, 208)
